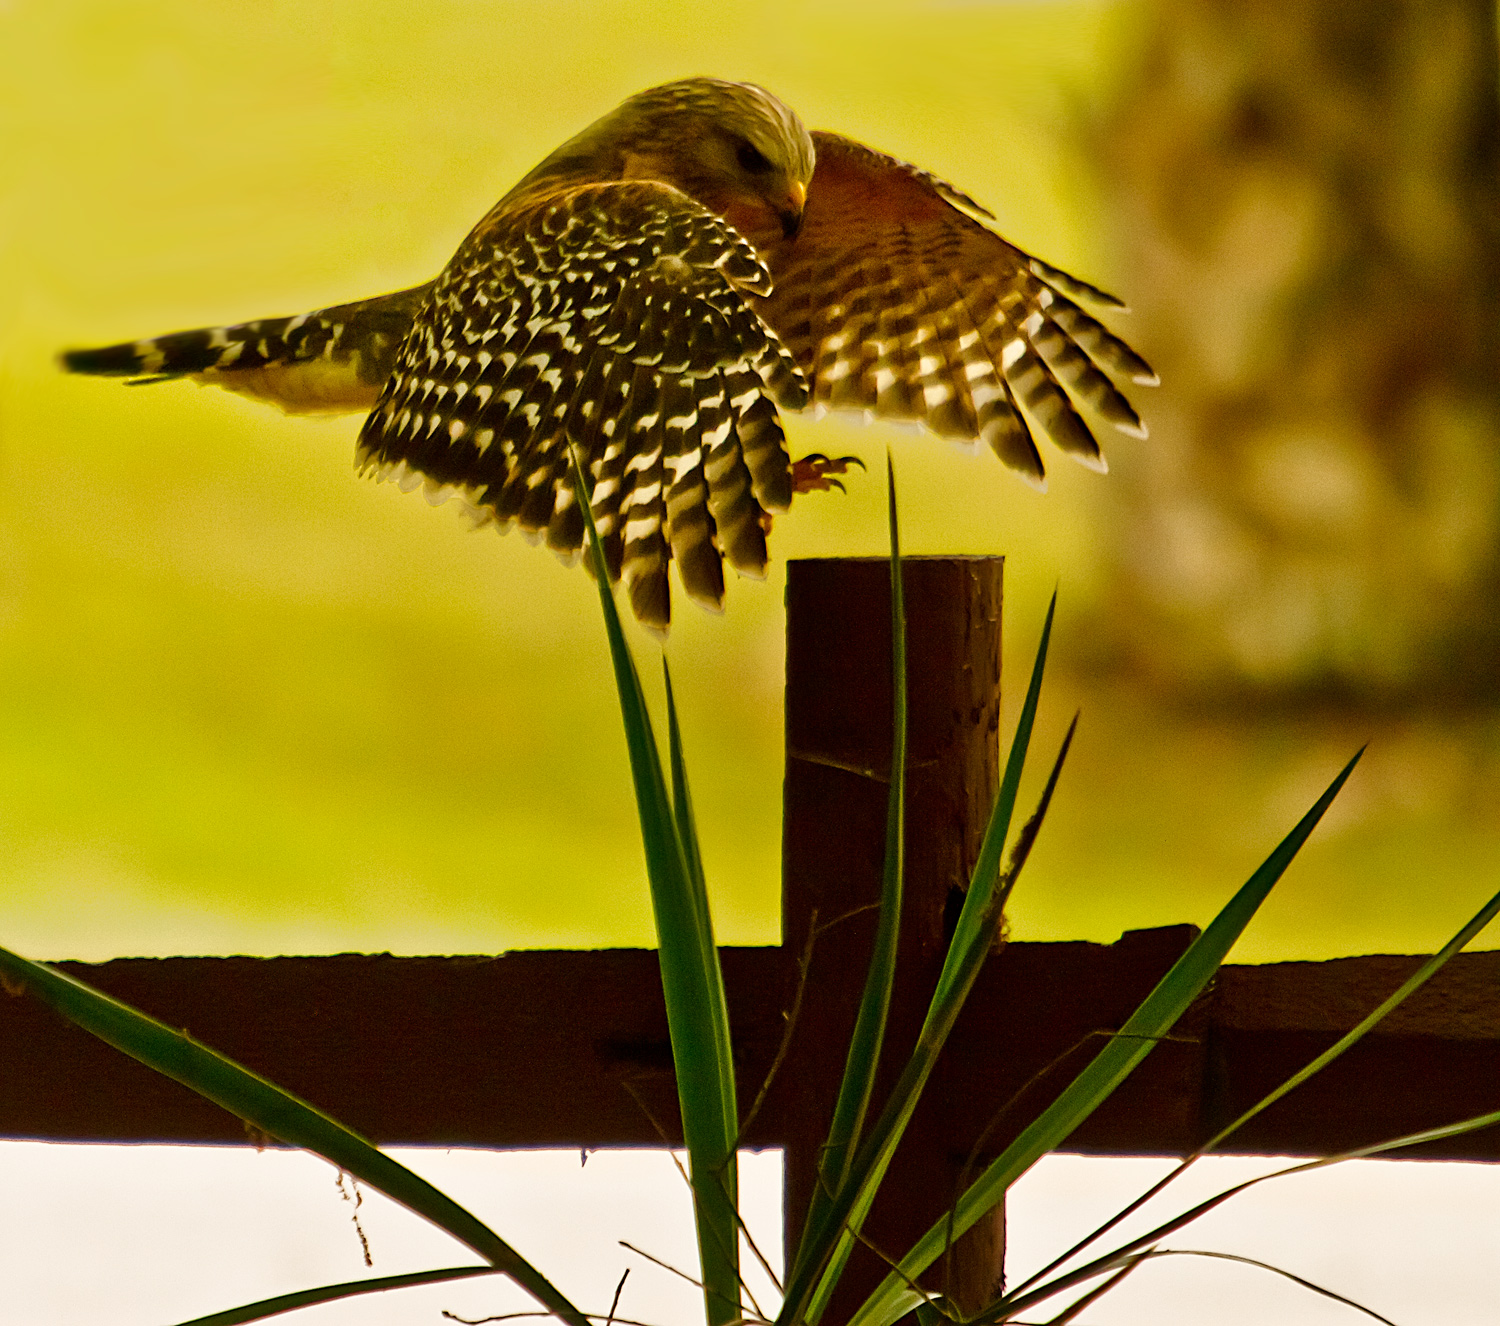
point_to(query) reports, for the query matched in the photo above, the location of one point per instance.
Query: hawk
(651, 295)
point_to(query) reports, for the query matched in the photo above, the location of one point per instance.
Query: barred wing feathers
(896, 300)
(613, 318)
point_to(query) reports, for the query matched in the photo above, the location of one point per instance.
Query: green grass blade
(692, 982)
(1152, 1020)
(809, 1291)
(1312, 1286)
(306, 1298)
(682, 800)
(1021, 1299)
(682, 809)
(987, 867)
(863, 1059)
(275, 1112)
(1415, 981)
(1418, 978)
(1082, 1305)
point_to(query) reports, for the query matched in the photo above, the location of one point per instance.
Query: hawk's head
(733, 147)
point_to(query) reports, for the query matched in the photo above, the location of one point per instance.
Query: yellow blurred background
(251, 704)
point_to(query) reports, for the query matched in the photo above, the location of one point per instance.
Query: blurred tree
(1307, 199)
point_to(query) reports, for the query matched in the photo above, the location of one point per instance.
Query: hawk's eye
(751, 158)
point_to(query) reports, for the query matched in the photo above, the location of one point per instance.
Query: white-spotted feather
(615, 321)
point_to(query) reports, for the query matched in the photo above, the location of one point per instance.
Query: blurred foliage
(1308, 198)
(250, 704)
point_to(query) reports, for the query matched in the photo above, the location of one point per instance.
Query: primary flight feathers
(651, 294)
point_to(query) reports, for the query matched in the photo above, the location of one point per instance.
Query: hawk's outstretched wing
(649, 294)
(896, 300)
(613, 317)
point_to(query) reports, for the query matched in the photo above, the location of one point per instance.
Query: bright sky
(159, 1234)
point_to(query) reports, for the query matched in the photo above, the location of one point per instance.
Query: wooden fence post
(838, 726)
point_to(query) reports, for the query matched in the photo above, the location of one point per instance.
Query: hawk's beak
(791, 208)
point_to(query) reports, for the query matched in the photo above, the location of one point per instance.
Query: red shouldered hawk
(650, 295)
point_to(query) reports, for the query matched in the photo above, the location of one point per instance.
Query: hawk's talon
(813, 473)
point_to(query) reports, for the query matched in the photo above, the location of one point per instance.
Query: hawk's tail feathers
(331, 359)
(205, 349)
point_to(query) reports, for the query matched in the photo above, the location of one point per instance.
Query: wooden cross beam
(538, 1049)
